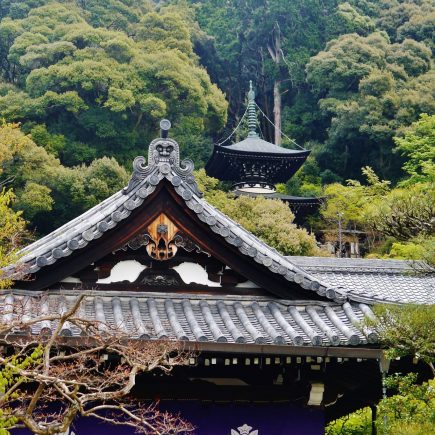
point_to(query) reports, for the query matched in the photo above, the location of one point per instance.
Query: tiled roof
(222, 319)
(294, 200)
(380, 280)
(165, 164)
(256, 145)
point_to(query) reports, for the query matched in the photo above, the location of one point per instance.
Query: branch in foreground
(47, 380)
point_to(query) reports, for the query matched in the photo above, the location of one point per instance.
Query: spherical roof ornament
(165, 125)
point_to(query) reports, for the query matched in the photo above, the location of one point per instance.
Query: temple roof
(381, 280)
(309, 300)
(203, 318)
(316, 277)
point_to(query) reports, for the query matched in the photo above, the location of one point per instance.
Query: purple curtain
(225, 419)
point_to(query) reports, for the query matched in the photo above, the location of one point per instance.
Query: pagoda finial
(252, 112)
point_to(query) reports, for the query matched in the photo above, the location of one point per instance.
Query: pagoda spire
(252, 112)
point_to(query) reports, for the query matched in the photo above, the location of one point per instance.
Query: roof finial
(165, 125)
(252, 112)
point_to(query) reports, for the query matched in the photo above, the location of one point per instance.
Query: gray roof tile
(378, 280)
(338, 281)
(245, 319)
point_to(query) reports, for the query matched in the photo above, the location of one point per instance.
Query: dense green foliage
(89, 80)
(269, 220)
(410, 411)
(410, 408)
(99, 91)
(92, 78)
(402, 216)
(369, 88)
(12, 232)
(47, 192)
(355, 423)
(351, 74)
(407, 330)
(418, 145)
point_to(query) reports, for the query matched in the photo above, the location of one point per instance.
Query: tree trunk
(277, 111)
(276, 55)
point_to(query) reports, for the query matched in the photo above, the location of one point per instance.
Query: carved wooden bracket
(162, 240)
(161, 233)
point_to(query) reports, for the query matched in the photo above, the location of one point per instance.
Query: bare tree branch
(88, 377)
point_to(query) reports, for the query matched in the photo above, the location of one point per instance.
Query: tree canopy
(47, 192)
(65, 67)
(352, 81)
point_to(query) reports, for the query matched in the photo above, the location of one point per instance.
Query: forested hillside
(83, 84)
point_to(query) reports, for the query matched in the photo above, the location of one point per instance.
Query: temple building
(254, 166)
(279, 345)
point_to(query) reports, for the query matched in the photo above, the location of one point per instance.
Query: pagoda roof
(290, 199)
(256, 145)
(254, 159)
(274, 164)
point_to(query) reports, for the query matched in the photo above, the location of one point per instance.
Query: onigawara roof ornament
(163, 157)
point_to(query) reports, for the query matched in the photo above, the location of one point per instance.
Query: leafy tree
(407, 330)
(403, 217)
(12, 232)
(101, 89)
(355, 423)
(403, 213)
(270, 43)
(48, 193)
(369, 88)
(270, 220)
(418, 145)
(411, 411)
(406, 19)
(348, 203)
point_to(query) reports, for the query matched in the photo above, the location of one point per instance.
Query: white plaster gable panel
(127, 270)
(194, 273)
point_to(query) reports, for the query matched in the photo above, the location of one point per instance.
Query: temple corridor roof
(203, 318)
(398, 281)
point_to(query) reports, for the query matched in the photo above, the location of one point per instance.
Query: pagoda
(254, 166)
